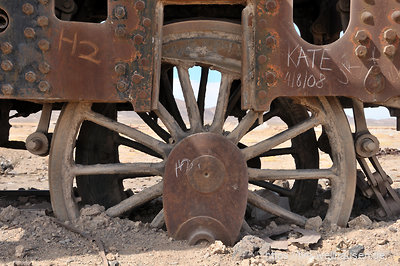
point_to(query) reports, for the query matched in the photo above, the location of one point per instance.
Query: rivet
(262, 59)
(120, 31)
(120, 12)
(120, 69)
(270, 41)
(140, 5)
(262, 94)
(6, 48)
(361, 36)
(7, 89)
(262, 23)
(396, 16)
(122, 86)
(44, 86)
(27, 9)
(67, 4)
(137, 78)
(390, 35)
(30, 76)
(367, 18)
(43, 21)
(361, 51)
(389, 50)
(44, 67)
(270, 77)
(29, 33)
(271, 5)
(44, 45)
(44, 2)
(147, 22)
(138, 39)
(7, 65)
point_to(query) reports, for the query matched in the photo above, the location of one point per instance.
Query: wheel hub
(205, 189)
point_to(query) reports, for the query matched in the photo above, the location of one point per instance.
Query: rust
(361, 51)
(44, 67)
(367, 18)
(7, 89)
(389, 50)
(140, 5)
(28, 9)
(7, 65)
(29, 33)
(44, 45)
(361, 36)
(30, 76)
(120, 69)
(6, 48)
(120, 12)
(44, 86)
(396, 16)
(43, 21)
(390, 35)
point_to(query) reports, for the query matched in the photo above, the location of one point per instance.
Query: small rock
(392, 229)
(113, 263)
(355, 251)
(92, 210)
(250, 246)
(273, 225)
(22, 263)
(9, 214)
(314, 223)
(383, 242)
(19, 251)
(217, 248)
(360, 222)
(110, 257)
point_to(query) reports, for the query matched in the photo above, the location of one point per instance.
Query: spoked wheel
(204, 167)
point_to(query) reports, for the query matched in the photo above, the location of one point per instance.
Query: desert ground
(30, 235)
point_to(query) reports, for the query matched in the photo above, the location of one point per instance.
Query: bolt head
(120, 69)
(29, 33)
(262, 94)
(122, 86)
(44, 86)
(6, 48)
(44, 45)
(7, 65)
(367, 18)
(137, 78)
(28, 9)
(120, 31)
(44, 67)
(396, 16)
(30, 76)
(271, 41)
(390, 35)
(262, 59)
(389, 50)
(270, 77)
(7, 89)
(271, 5)
(361, 51)
(120, 12)
(147, 22)
(138, 39)
(361, 36)
(43, 21)
(140, 5)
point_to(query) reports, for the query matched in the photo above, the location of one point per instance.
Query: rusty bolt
(30, 76)
(120, 12)
(137, 78)
(43, 21)
(361, 51)
(262, 94)
(7, 89)
(271, 41)
(122, 86)
(29, 33)
(361, 36)
(270, 77)
(44, 45)
(120, 69)
(6, 48)
(44, 2)
(147, 22)
(44, 86)
(7, 65)
(389, 50)
(271, 5)
(140, 5)
(44, 67)
(120, 31)
(396, 16)
(367, 18)
(262, 59)
(138, 39)
(27, 9)
(390, 35)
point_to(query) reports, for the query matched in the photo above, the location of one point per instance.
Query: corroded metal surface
(205, 189)
(364, 63)
(46, 58)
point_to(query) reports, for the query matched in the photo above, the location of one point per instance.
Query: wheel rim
(325, 112)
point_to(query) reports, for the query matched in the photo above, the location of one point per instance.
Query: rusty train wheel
(204, 169)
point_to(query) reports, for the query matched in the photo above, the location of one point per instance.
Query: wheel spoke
(137, 146)
(222, 104)
(299, 174)
(277, 152)
(158, 221)
(147, 169)
(154, 126)
(136, 200)
(190, 100)
(201, 97)
(268, 144)
(148, 141)
(237, 134)
(233, 100)
(270, 186)
(169, 121)
(275, 209)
